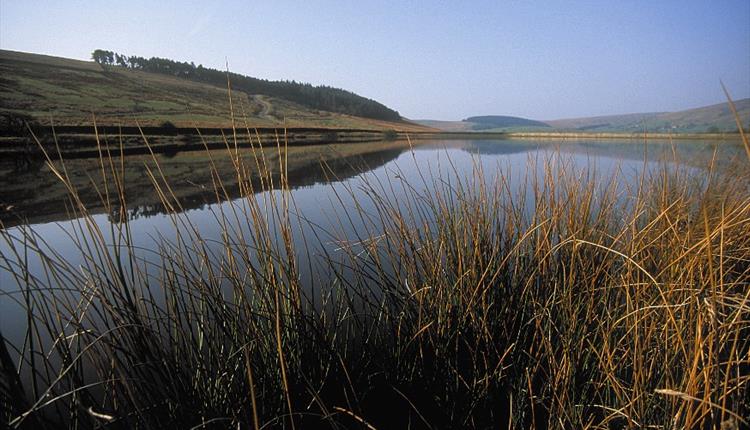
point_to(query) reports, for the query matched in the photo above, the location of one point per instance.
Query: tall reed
(460, 302)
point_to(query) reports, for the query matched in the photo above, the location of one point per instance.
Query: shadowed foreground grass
(574, 304)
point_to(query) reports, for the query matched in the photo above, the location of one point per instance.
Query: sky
(443, 60)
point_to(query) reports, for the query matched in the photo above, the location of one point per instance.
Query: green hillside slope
(714, 118)
(316, 97)
(45, 88)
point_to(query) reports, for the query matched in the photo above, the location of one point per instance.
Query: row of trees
(110, 58)
(317, 97)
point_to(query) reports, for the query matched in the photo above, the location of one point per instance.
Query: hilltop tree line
(317, 97)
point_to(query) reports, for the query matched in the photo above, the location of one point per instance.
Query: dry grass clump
(462, 302)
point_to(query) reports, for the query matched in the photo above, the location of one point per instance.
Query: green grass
(69, 91)
(698, 120)
(455, 307)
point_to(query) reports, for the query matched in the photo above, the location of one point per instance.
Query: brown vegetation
(461, 304)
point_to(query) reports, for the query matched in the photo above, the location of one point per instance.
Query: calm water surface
(321, 201)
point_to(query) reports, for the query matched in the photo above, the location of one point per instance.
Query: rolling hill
(44, 88)
(486, 123)
(716, 117)
(490, 122)
(319, 97)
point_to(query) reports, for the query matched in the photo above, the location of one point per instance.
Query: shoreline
(81, 141)
(578, 135)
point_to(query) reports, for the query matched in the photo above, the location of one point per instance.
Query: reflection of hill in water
(32, 194)
(690, 153)
(499, 147)
(481, 146)
(313, 174)
(36, 196)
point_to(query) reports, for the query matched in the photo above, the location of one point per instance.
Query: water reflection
(35, 195)
(30, 193)
(324, 182)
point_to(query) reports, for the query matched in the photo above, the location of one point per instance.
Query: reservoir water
(329, 199)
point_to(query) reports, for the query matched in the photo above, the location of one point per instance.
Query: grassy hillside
(69, 91)
(716, 117)
(319, 97)
(487, 123)
(627, 122)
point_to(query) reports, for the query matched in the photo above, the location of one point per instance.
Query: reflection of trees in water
(335, 170)
(340, 169)
(115, 216)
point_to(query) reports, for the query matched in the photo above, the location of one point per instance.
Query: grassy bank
(461, 304)
(638, 135)
(76, 145)
(74, 142)
(563, 135)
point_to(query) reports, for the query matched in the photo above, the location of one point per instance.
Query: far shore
(81, 142)
(583, 135)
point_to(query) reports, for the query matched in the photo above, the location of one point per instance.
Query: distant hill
(40, 88)
(498, 121)
(714, 118)
(486, 123)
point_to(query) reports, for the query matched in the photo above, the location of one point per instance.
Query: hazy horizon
(437, 61)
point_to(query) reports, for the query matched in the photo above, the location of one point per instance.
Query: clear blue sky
(439, 60)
